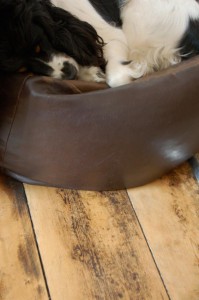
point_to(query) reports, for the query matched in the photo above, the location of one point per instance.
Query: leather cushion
(81, 135)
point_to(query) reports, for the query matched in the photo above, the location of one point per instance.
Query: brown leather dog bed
(82, 135)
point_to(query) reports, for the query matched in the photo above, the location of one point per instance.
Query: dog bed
(81, 135)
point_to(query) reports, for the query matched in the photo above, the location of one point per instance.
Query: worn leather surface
(82, 135)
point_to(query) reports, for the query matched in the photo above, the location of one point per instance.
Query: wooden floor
(138, 244)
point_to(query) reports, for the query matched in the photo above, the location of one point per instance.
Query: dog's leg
(118, 71)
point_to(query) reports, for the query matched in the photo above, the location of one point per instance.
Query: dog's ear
(76, 38)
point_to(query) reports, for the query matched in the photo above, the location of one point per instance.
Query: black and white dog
(70, 39)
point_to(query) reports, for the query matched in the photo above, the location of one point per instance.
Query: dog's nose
(69, 71)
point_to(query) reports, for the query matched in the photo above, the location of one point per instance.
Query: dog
(44, 39)
(70, 39)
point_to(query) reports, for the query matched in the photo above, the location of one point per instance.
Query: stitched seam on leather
(15, 111)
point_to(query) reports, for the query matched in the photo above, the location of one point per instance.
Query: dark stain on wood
(27, 251)
(180, 176)
(182, 179)
(80, 223)
(119, 206)
(15, 191)
(174, 180)
(114, 276)
(40, 290)
(19, 195)
(179, 212)
(26, 255)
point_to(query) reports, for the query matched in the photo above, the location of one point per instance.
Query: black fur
(24, 24)
(109, 10)
(76, 38)
(190, 42)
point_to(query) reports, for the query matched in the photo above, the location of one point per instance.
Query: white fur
(91, 74)
(153, 29)
(84, 73)
(57, 63)
(149, 37)
(116, 49)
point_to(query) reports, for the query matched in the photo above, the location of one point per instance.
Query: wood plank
(20, 271)
(168, 210)
(92, 246)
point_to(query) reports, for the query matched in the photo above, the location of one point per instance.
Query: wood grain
(20, 271)
(168, 210)
(92, 246)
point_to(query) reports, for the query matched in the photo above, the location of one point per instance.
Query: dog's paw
(117, 74)
(138, 69)
(123, 73)
(91, 74)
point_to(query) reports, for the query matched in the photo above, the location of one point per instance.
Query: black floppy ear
(76, 38)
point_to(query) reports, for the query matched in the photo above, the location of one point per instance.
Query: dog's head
(44, 39)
